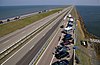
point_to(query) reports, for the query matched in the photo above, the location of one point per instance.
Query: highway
(14, 38)
(10, 39)
(34, 45)
(47, 57)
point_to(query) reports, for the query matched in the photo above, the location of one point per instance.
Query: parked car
(8, 20)
(62, 54)
(64, 31)
(67, 35)
(62, 62)
(62, 26)
(61, 48)
(65, 39)
(1, 22)
(68, 28)
(67, 42)
(69, 16)
(71, 19)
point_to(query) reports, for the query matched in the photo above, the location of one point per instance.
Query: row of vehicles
(15, 18)
(62, 50)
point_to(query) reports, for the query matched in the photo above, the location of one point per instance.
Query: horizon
(49, 2)
(49, 5)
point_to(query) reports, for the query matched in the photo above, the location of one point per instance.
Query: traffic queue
(62, 50)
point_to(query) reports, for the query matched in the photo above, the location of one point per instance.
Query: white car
(71, 19)
(68, 28)
(69, 15)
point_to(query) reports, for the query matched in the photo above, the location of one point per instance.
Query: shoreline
(8, 27)
(20, 17)
(94, 54)
(11, 19)
(85, 31)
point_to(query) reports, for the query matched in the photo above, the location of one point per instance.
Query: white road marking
(25, 44)
(52, 60)
(58, 44)
(5, 42)
(47, 47)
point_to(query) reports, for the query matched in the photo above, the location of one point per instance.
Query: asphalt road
(47, 57)
(27, 52)
(14, 37)
(31, 54)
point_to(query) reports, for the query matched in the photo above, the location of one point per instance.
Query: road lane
(21, 53)
(47, 57)
(31, 54)
(18, 35)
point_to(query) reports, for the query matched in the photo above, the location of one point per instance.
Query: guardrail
(38, 55)
(36, 58)
(22, 42)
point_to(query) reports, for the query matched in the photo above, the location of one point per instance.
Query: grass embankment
(82, 34)
(82, 52)
(13, 26)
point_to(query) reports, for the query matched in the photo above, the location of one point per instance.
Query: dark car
(62, 62)
(62, 26)
(8, 20)
(64, 32)
(61, 54)
(65, 39)
(1, 22)
(61, 48)
(67, 42)
(67, 35)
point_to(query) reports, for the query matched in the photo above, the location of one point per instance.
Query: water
(91, 17)
(12, 11)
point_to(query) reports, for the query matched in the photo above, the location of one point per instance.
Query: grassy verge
(13, 26)
(81, 33)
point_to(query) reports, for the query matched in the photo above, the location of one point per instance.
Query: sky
(48, 2)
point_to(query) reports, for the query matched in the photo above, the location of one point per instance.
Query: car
(62, 62)
(68, 28)
(1, 22)
(62, 26)
(64, 32)
(65, 39)
(61, 48)
(67, 42)
(8, 20)
(62, 54)
(69, 16)
(67, 35)
(69, 25)
(71, 19)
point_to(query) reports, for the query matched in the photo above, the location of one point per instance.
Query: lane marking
(47, 47)
(5, 42)
(24, 36)
(27, 43)
(60, 40)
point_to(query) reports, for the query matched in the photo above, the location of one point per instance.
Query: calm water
(90, 14)
(91, 17)
(11, 11)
